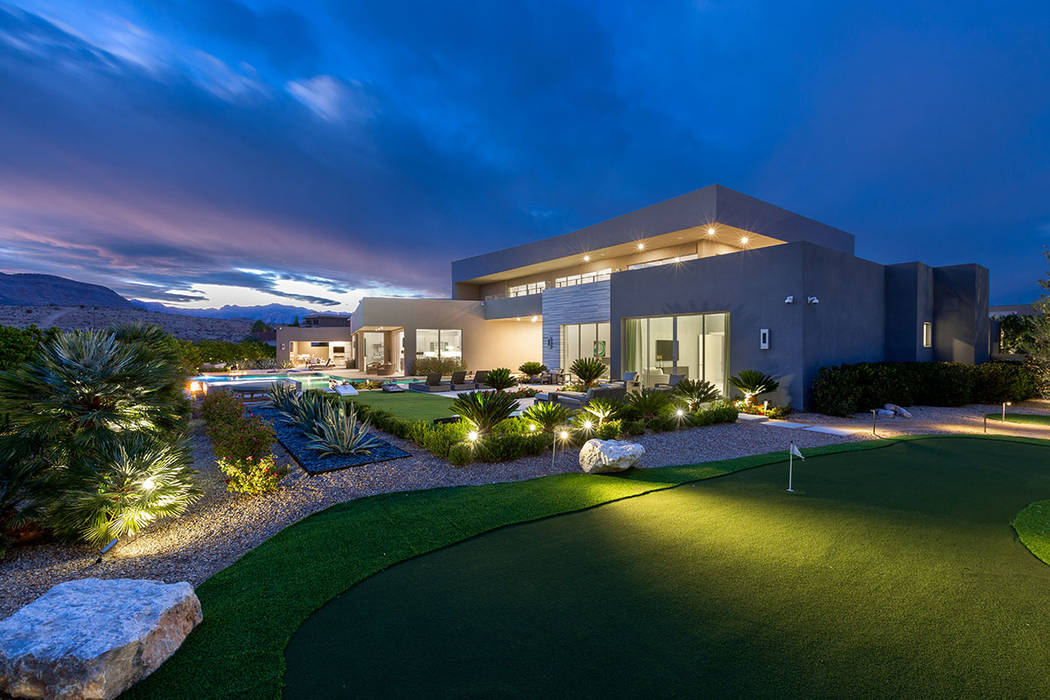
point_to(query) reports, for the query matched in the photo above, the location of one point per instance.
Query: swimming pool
(308, 380)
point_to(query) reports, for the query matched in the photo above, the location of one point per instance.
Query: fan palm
(500, 379)
(588, 369)
(751, 383)
(549, 416)
(695, 392)
(144, 478)
(484, 410)
(648, 403)
(602, 410)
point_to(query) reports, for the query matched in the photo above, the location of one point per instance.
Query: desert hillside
(73, 317)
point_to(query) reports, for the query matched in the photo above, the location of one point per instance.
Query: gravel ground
(929, 420)
(221, 527)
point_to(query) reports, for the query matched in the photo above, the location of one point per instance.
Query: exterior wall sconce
(812, 300)
(789, 300)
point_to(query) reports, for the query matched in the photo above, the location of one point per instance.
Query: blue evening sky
(223, 151)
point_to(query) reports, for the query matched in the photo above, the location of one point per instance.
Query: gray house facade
(713, 282)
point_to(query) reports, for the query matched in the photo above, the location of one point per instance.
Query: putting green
(893, 572)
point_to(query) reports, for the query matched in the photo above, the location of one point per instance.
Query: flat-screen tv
(664, 350)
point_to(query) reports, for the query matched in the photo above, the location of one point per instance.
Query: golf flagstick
(793, 452)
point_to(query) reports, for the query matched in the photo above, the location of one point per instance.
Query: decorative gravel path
(221, 527)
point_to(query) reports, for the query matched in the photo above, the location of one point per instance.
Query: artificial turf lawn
(410, 405)
(253, 608)
(892, 573)
(1030, 418)
(1033, 528)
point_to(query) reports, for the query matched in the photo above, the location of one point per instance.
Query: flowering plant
(252, 476)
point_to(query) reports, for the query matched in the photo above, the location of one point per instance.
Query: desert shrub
(634, 427)
(221, 407)
(587, 369)
(83, 416)
(432, 365)
(531, 369)
(500, 379)
(460, 454)
(484, 409)
(504, 448)
(692, 393)
(143, 479)
(439, 438)
(609, 430)
(752, 383)
(646, 404)
(548, 416)
(233, 354)
(18, 345)
(719, 413)
(253, 477)
(246, 437)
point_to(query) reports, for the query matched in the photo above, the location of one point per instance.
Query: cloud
(328, 97)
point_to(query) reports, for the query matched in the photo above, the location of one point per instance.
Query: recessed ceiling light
(586, 258)
(710, 230)
(743, 240)
(641, 246)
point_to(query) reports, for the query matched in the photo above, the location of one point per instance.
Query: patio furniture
(629, 382)
(576, 399)
(345, 390)
(460, 383)
(672, 381)
(479, 379)
(432, 384)
(393, 387)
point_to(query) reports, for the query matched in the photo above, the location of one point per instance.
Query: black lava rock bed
(311, 461)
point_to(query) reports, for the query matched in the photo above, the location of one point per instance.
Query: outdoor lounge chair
(579, 400)
(393, 387)
(345, 389)
(671, 383)
(479, 379)
(460, 383)
(629, 381)
(432, 384)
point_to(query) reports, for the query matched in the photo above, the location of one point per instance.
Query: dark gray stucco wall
(847, 325)
(960, 313)
(909, 304)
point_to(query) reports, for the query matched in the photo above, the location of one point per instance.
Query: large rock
(94, 638)
(602, 456)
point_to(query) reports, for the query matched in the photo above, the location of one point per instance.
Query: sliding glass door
(590, 340)
(695, 345)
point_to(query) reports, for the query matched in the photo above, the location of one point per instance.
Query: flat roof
(686, 215)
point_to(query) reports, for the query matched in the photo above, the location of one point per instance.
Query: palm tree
(695, 392)
(752, 383)
(588, 369)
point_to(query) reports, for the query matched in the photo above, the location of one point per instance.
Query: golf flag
(793, 452)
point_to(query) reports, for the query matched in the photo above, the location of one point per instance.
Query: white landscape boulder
(603, 456)
(94, 638)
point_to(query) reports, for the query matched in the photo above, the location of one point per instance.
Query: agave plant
(500, 379)
(340, 433)
(751, 383)
(484, 410)
(602, 410)
(588, 369)
(648, 403)
(144, 478)
(695, 392)
(284, 397)
(307, 410)
(548, 416)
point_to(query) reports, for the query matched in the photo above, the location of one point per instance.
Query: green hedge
(847, 389)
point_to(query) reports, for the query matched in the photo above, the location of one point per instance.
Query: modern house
(321, 337)
(705, 285)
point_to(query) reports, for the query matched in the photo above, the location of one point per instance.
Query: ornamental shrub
(246, 437)
(252, 476)
(719, 413)
(634, 427)
(221, 407)
(432, 365)
(995, 382)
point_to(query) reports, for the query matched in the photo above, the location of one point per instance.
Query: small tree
(531, 369)
(1037, 344)
(751, 383)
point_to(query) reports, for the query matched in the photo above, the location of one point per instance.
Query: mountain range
(31, 289)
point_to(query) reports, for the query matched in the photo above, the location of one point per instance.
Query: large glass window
(523, 290)
(583, 278)
(663, 261)
(584, 340)
(439, 343)
(695, 345)
(375, 350)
